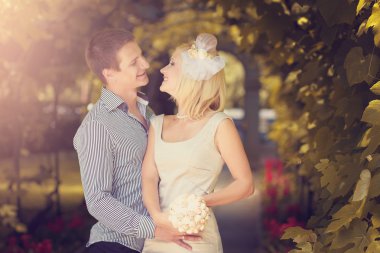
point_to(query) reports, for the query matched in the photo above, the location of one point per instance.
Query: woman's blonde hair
(198, 96)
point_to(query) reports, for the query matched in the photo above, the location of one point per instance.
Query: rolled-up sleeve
(94, 146)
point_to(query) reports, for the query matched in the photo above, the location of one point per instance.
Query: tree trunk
(17, 168)
(56, 152)
(252, 108)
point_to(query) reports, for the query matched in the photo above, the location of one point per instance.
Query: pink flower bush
(58, 235)
(280, 205)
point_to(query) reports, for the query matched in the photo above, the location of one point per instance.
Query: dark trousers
(109, 247)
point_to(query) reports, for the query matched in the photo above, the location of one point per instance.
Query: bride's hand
(166, 232)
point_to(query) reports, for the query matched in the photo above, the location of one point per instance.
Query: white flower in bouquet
(189, 213)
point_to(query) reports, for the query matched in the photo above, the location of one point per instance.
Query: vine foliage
(326, 54)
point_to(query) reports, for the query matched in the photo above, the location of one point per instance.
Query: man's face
(132, 68)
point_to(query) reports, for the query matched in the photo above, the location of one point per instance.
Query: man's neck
(129, 96)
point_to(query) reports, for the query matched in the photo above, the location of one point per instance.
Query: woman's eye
(171, 63)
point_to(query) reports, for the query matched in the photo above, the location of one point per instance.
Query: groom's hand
(172, 235)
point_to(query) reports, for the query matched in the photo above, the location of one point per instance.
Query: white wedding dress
(190, 166)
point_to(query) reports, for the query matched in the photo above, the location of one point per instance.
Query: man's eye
(171, 63)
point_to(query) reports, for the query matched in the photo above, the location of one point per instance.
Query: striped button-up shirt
(111, 145)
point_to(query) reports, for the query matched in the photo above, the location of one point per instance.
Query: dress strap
(156, 122)
(215, 120)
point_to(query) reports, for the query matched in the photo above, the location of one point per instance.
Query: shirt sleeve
(95, 153)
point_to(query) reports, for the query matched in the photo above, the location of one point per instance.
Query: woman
(186, 151)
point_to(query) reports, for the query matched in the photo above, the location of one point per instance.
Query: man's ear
(108, 74)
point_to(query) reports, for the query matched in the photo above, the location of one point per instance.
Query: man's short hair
(102, 49)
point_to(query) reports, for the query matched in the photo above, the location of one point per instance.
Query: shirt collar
(113, 101)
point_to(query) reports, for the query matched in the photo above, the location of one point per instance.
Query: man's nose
(144, 64)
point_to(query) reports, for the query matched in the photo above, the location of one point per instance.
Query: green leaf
(371, 113)
(329, 10)
(376, 88)
(324, 140)
(359, 68)
(310, 72)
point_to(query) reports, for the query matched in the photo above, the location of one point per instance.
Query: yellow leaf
(374, 188)
(219, 10)
(344, 216)
(361, 189)
(304, 148)
(371, 114)
(374, 22)
(373, 142)
(364, 141)
(355, 234)
(373, 247)
(375, 220)
(361, 28)
(304, 247)
(234, 12)
(376, 88)
(361, 4)
(235, 34)
(299, 235)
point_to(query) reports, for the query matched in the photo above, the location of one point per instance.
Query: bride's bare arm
(228, 142)
(150, 179)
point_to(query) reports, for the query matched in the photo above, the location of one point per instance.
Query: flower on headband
(198, 53)
(198, 64)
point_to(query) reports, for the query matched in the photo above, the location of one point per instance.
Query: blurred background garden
(303, 86)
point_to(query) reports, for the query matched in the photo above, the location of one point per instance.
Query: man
(111, 143)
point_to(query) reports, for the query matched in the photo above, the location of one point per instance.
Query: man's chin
(143, 82)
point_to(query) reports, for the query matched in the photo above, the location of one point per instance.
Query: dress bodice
(190, 166)
(185, 167)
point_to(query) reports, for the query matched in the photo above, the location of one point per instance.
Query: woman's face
(172, 73)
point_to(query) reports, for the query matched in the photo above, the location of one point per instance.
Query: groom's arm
(94, 147)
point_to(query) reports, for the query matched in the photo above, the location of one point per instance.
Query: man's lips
(142, 75)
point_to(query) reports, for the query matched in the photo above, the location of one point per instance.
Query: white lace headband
(198, 64)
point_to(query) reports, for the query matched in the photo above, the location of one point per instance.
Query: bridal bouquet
(189, 213)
